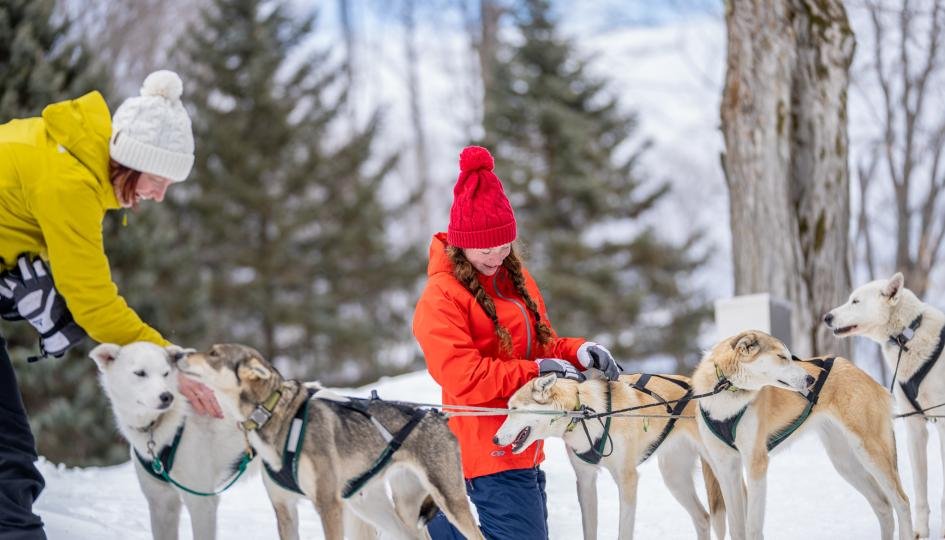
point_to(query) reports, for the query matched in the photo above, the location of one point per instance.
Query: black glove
(38, 302)
(561, 368)
(592, 355)
(9, 280)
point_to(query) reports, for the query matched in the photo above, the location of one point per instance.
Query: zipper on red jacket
(528, 326)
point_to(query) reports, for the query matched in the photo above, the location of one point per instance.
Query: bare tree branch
(912, 139)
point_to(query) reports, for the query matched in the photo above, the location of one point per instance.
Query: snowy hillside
(806, 497)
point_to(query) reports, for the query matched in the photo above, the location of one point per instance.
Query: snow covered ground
(806, 497)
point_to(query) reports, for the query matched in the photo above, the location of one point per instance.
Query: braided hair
(514, 266)
(465, 273)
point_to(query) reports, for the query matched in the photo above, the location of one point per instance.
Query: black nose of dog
(810, 381)
(166, 399)
(828, 318)
(495, 439)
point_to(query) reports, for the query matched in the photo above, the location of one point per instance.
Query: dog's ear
(541, 388)
(254, 369)
(104, 355)
(894, 287)
(745, 344)
(176, 352)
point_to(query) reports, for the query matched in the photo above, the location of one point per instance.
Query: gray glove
(592, 355)
(38, 302)
(561, 368)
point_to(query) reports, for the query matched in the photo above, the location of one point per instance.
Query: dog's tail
(716, 502)
(428, 511)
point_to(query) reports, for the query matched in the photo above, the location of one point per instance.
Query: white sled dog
(619, 444)
(891, 315)
(341, 449)
(771, 397)
(199, 452)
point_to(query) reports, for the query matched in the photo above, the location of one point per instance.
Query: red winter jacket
(463, 355)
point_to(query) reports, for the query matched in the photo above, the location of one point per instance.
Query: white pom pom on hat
(164, 83)
(151, 133)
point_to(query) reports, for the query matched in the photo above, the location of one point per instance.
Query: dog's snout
(809, 380)
(495, 439)
(828, 318)
(166, 398)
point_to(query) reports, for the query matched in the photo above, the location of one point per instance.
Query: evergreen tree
(286, 206)
(41, 62)
(563, 149)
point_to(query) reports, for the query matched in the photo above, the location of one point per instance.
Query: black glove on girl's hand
(561, 368)
(38, 302)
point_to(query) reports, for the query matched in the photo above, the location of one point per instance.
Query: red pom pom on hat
(474, 158)
(481, 216)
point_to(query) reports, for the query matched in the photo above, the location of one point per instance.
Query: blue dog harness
(288, 476)
(911, 387)
(159, 467)
(725, 430)
(596, 452)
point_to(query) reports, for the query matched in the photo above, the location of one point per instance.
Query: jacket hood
(439, 261)
(83, 126)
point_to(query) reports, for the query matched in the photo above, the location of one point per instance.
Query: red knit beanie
(481, 216)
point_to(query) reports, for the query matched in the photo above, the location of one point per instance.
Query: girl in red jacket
(484, 330)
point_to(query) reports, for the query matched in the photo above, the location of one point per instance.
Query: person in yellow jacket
(59, 174)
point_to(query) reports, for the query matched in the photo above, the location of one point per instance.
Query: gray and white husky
(893, 316)
(340, 441)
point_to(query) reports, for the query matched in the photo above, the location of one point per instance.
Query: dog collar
(263, 412)
(721, 377)
(900, 339)
(148, 427)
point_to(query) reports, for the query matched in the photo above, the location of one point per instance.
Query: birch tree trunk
(784, 123)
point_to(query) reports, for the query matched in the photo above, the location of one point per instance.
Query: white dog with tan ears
(912, 336)
(771, 398)
(199, 452)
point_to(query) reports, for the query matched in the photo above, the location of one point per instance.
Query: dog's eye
(166, 373)
(213, 352)
(782, 357)
(854, 301)
(140, 373)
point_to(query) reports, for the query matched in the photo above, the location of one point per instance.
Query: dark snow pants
(20, 482)
(511, 506)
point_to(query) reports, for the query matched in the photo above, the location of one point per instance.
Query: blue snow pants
(20, 482)
(512, 505)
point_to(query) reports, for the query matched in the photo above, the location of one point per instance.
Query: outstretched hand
(200, 396)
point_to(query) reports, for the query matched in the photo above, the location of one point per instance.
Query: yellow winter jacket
(54, 191)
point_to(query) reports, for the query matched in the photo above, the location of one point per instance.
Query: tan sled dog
(912, 335)
(339, 443)
(765, 406)
(631, 440)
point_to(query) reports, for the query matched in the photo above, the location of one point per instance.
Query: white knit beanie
(151, 133)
